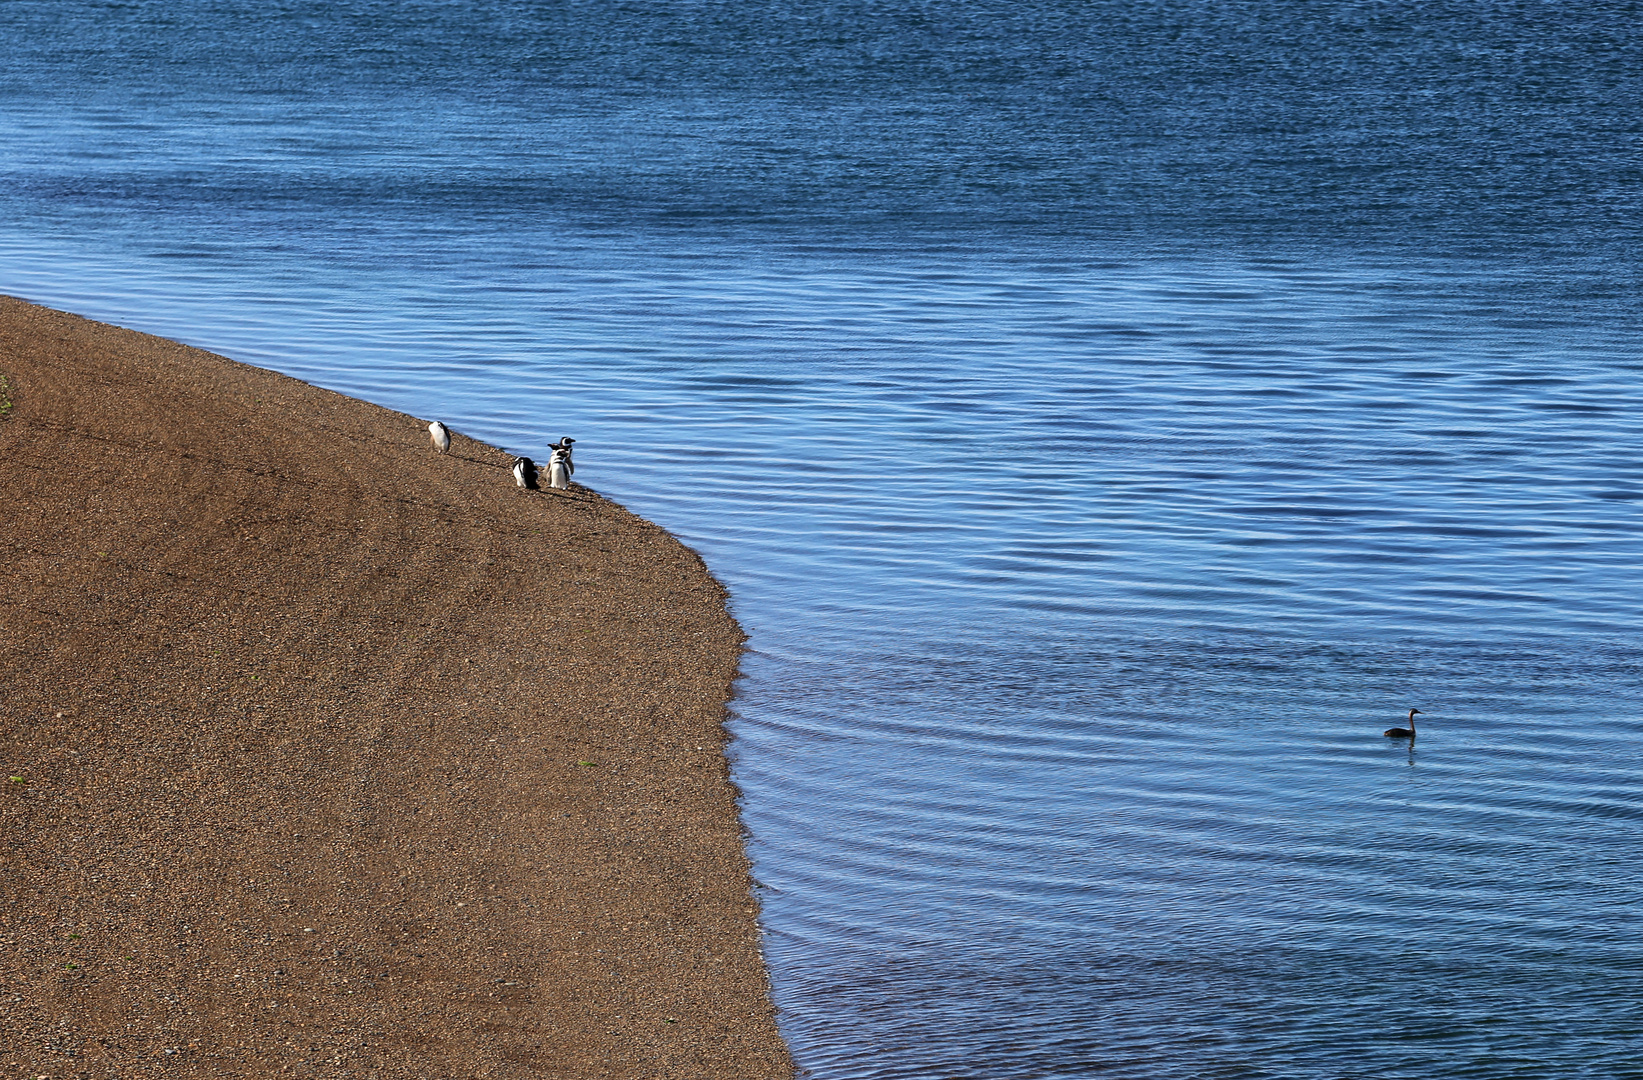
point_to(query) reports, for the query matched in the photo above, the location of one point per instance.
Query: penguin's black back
(527, 469)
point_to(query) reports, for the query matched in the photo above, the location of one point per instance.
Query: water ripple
(1090, 519)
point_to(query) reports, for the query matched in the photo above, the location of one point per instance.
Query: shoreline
(338, 756)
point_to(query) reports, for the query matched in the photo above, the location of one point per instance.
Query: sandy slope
(323, 753)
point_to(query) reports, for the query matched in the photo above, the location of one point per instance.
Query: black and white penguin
(564, 444)
(559, 468)
(524, 473)
(440, 436)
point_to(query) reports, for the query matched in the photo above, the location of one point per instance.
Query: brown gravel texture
(323, 754)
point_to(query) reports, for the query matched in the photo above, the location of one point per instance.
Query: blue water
(1107, 417)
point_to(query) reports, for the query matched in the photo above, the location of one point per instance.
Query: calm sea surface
(1108, 418)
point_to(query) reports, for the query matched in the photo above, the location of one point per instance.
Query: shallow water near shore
(1097, 470)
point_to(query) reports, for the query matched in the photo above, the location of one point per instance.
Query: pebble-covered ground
(323, 754)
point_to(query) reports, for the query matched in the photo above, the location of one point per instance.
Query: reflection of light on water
(1081, 582)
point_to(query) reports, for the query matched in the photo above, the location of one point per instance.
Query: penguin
(524, 473)
(559, 469)
(440, 436)
(564, 444)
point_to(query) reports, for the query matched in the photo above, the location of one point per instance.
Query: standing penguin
(440, 436)
(559, 468)
(564, 444)
(524, 473)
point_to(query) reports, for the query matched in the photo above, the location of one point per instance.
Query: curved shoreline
(339, 756)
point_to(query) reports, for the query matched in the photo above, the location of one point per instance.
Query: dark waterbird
(1404, 732)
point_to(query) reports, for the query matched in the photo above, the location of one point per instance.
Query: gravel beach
(328, 755)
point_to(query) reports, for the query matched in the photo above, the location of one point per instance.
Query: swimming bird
(524, 472)
(440, 436)
(564, 444)
(559, 469)
(1404, 733)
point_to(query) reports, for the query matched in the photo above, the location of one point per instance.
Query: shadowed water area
(1108, 418)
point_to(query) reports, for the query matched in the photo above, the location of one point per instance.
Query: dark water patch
(1108, 418)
